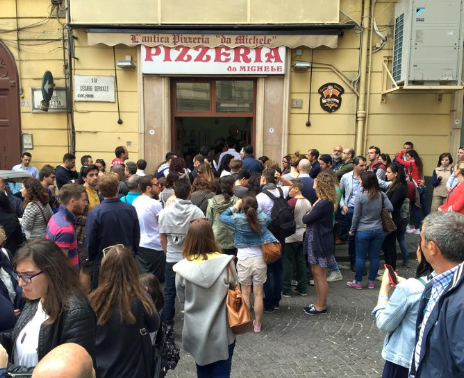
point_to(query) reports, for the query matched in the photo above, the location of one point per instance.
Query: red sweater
(455, 200)
(408, 164)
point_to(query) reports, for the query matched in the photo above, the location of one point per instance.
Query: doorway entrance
(10, 120)
(204, 110)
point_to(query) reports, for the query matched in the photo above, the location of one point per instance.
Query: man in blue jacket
(439, 336)
(110, 223)
(249, 162)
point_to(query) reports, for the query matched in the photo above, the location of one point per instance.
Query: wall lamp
(301, 66)
(126, 63)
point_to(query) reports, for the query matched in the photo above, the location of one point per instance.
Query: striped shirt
(35, 219)
(62, 230)
(439, 284)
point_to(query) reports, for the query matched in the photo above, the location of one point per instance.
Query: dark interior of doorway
(194, 132)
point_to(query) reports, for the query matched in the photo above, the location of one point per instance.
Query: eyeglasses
(25, 278)
(106, 249)
(193, 220)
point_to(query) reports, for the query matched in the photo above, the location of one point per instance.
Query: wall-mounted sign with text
(221, 60)
(94, 88)
(57, 102)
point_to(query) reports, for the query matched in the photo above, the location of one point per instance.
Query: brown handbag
(271, 252)
(238, 312)
(387, 221)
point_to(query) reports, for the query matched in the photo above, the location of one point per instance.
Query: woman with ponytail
(250, 226)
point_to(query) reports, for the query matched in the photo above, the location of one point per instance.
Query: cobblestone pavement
(345, 342)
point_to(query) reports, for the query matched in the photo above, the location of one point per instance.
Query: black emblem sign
(331, 96)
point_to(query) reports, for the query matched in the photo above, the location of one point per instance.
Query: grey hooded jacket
(202, 289)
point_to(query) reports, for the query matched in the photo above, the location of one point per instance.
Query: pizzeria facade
(157, 76)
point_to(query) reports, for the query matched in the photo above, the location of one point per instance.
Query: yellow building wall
(97, 130)
(152, 12)
(416, 117)
(34, 36)
(419, 118)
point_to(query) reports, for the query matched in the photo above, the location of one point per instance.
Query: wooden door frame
(212, 112)
(12, 76)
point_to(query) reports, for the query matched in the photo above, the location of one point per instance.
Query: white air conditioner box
(428, 42)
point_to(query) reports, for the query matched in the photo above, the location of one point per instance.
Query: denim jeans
(274, 281)
(351, 239)
(424, 207)
(169, 308)
(368, 243)
(218, 369)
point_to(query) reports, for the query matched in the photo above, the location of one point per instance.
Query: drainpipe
(69, 94)
(361, 110)
(369, 76)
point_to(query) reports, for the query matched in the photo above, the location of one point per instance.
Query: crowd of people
(92, 261)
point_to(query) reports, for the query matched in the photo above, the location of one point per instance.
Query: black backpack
(282, 221)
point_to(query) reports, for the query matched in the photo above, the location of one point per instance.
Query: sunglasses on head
(106, 249)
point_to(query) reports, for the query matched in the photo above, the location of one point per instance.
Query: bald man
(67, 360)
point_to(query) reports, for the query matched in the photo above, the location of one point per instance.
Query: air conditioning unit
(428, 42)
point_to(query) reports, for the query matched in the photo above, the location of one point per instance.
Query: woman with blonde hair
(125, 317)
(201, 283)
(319, 242)
(204, 170)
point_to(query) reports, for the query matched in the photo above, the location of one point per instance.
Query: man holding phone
(439, 337)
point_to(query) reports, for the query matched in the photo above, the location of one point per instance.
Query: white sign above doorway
(220, 60)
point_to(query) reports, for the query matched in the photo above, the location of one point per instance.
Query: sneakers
(406, 264)
(294, 283)
(295, 290)
(335, 276)
(286, 295)
(413, 230)
(371, 285)
(311, 282)
(255, 327)
(311, 310)
(269, 310)
(354, 285)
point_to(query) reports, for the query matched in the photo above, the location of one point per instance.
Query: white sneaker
(416, 231)
(311, 282)
(411, 230)
(335, 276)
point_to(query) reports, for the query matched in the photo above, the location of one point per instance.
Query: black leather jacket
(77, 324)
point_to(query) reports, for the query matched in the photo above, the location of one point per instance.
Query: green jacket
(224, 234)
(344, 168)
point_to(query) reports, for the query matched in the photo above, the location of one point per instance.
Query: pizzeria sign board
(220, 60)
